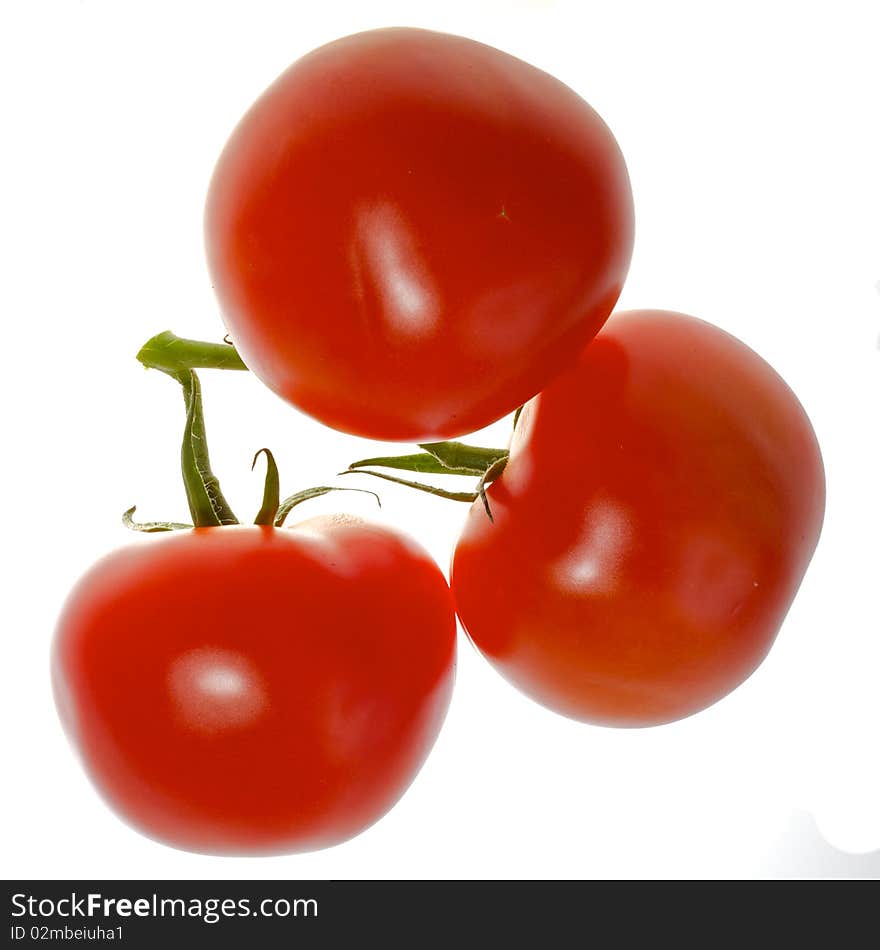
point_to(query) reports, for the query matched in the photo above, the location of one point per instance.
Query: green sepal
(467, 496)
(439, 458)
(151, 527)
(466, 459)
(271, 490)
(496, 458)
(207, 505)
(421, 462)
(306, 494)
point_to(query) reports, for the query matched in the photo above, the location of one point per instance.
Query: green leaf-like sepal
(207, 505)
(422, 462)
(290, 503)
(271, 491)
(151, 527)
(459, 458)
(467, 496)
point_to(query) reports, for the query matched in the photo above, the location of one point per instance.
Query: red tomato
(257, 690)
(659, 510)
(411, 233)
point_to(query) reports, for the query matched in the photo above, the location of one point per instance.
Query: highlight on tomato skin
(255, 690)
(411, 233)
(658, 511)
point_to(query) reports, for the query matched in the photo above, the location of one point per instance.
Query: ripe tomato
(257, 690)
(658, 512)
(411, 233)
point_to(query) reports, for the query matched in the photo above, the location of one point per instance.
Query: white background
(753, 142)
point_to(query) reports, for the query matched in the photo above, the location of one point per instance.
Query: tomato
(410, 233)
(257, 690)
(659, 509)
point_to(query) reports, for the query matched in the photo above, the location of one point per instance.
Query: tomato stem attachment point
(179, 358)
(490, 475)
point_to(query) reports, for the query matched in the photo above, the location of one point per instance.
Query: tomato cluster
(410, 236)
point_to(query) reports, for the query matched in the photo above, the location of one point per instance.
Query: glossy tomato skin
(254, 690)
(661, 504)
(411, 233)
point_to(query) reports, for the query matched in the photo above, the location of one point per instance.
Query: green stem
(179, 359)
(493, 472)
(172, 354)
(207, 505)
